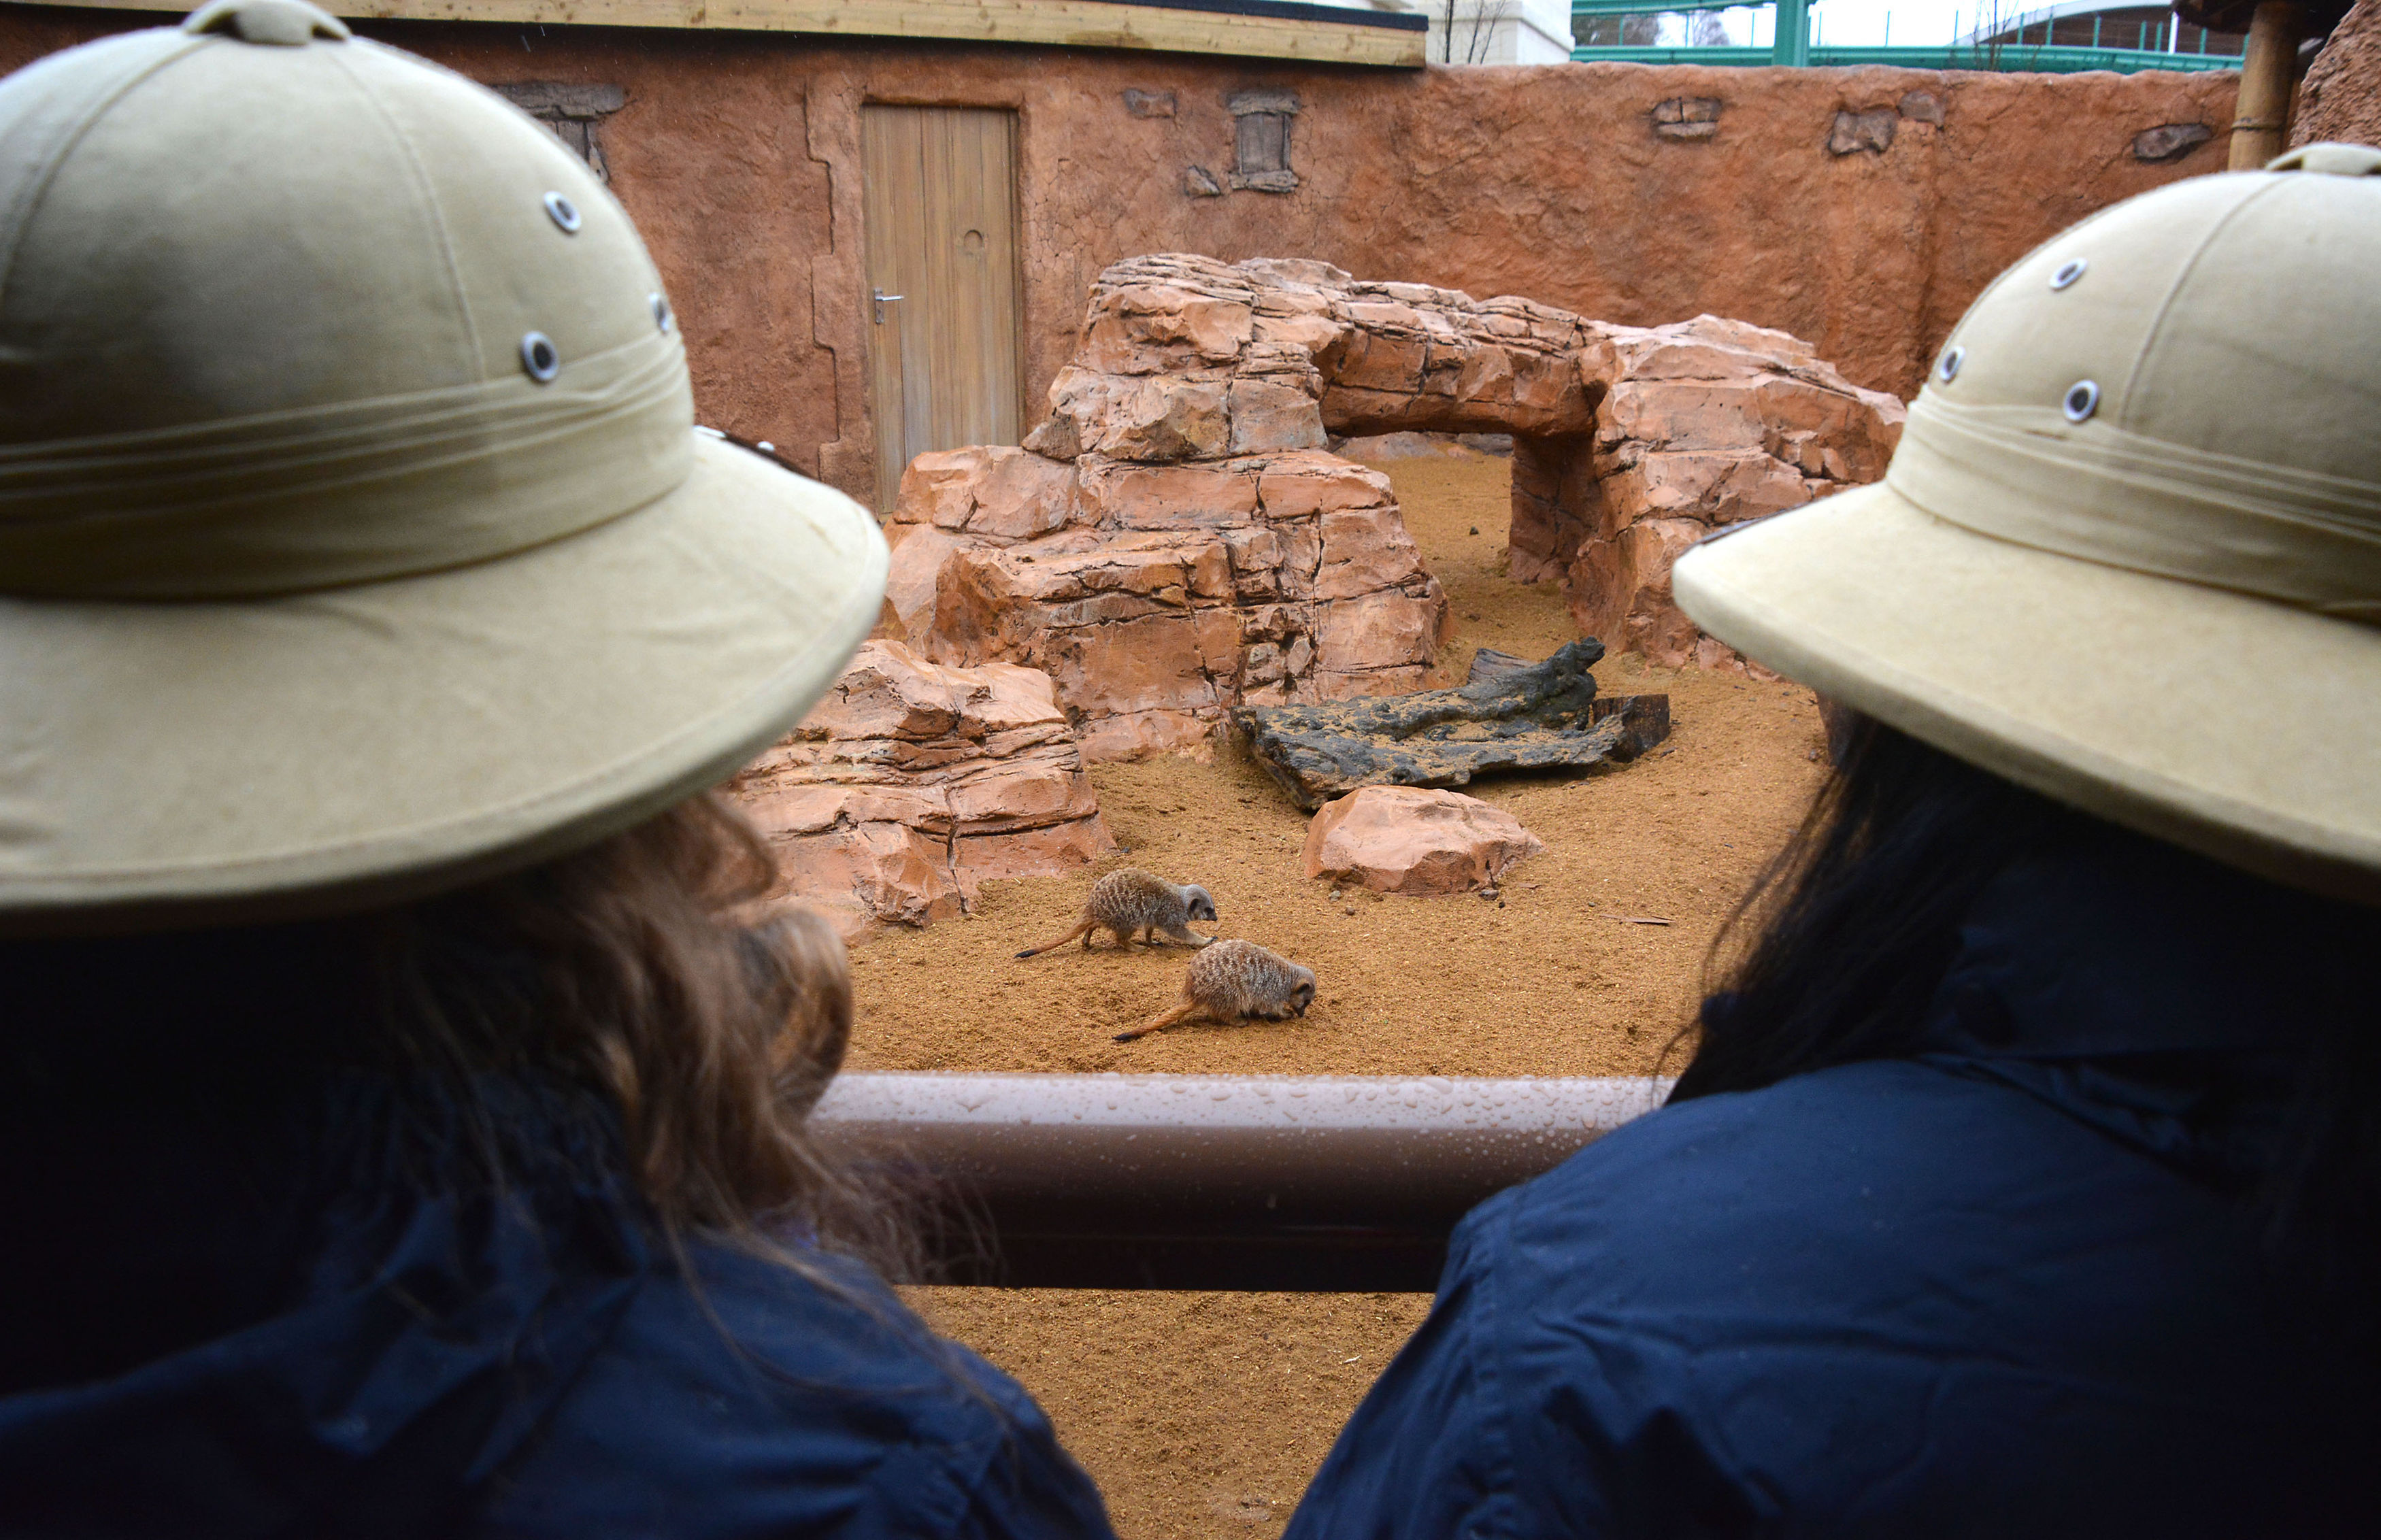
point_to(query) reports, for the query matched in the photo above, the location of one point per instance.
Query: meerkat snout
(1201, 907)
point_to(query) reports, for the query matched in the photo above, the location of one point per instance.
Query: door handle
(883, 300)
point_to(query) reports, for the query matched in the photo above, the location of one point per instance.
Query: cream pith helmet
(356, 540)
(2129, 550)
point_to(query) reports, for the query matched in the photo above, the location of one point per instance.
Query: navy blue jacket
(2008, 1287)
(279, 1321)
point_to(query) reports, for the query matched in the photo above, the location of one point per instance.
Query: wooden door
(946, 358)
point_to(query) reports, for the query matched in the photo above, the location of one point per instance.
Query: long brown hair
(646, 982)
(656, 972)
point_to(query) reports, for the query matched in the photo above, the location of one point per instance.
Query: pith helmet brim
(2241, 727)
(190, 762)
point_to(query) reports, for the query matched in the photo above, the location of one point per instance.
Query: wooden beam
(1055, 23)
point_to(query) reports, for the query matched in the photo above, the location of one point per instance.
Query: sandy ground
(1206, 1414)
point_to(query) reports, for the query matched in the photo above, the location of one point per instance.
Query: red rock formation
(1700, 425)
(911, 784)
(1178, 590)
(1171, 543)
(2340, 98)
(1406, 839)
(1173, 540)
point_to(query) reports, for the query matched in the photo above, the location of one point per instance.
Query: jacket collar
(2170, 1001)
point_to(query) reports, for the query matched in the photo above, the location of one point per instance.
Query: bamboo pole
(2261, 119)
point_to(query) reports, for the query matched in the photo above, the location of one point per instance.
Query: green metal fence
(1793, 47)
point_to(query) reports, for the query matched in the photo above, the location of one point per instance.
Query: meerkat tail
(1180, 1013)
(1084, 929)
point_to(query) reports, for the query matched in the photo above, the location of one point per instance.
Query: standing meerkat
(1132, 903)
(1234, 979)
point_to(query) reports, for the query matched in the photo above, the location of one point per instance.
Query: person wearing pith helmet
(2025, 1177)
(402, 1102)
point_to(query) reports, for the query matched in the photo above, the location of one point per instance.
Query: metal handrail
(1208, 1181)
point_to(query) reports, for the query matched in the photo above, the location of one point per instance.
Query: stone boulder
(910, 784)
(1406, 839)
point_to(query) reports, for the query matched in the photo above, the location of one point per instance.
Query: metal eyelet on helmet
(1948, 369)
(540, 359)
(2082, 399)
(564, 212)
(2068, 273)
(660, 312)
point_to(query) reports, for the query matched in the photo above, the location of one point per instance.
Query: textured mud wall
(1857, 209)
(2340, 98)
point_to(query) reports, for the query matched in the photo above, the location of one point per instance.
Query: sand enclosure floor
(1206, 1413)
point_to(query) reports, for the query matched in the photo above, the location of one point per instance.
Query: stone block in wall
(575, 114)
(1691, 119)
(1870, 132)
(1156, 327)
(992, 492)
(1125, 495)
(1188, 587)
(1717, 486)
(1134, 417)
(1312, 483)
(1365, 633)
(1265, 415)
(2169, 142)
(1921, 106)
(910, 785)
(919, 553)
(1365, 550)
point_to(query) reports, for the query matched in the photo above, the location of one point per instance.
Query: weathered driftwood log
(1533, 716)
(1490, 664)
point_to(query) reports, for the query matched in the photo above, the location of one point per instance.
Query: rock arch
(1175, 538)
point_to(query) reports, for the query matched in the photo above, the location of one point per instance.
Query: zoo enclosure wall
(1583, 186)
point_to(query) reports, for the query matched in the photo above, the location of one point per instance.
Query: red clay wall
(2340, 98)
(738, 155)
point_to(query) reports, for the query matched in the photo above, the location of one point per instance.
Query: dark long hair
(1835, 953)
(663, 1012)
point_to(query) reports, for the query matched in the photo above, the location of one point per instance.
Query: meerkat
(1132, 903)
(1232, 980)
